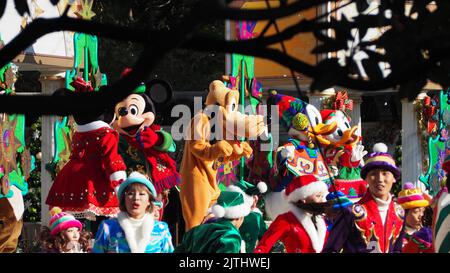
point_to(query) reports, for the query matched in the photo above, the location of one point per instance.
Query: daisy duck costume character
(344, 154)
(86, 185)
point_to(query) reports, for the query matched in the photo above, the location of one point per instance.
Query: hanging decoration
(7, 75)
(340, 101)
(436, 114)
(85, 66)
(12, 139)
(242, 78)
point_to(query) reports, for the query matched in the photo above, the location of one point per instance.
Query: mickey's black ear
(159, 91)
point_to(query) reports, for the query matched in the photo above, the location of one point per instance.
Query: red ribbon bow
(81, 86)
(429, 111)
(342, 102)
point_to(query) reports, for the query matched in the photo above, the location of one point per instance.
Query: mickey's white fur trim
(305, 191)
(91, 126)
(380, 148)
(231, 212)
(262, 187)
(117, 176)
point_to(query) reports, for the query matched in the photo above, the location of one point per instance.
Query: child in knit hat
(418, 239)
(222, 234)
(65, 234)
(135, 229)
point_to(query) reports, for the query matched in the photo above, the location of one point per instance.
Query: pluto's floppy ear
(159, 91)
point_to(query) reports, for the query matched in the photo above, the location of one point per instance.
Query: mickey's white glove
(358, 153)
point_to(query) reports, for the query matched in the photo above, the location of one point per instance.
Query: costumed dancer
(344, 155)
(253, 227)
(220, 235)
(64, 234)
(207, 147)
(135, 229)
(303, 228)
(136, 115)
(301, 155)
(86, 185)
(375, 223)
(418, 239)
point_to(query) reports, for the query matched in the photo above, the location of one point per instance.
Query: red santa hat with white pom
(303, 186)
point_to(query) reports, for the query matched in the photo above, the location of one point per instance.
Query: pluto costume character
(212, 139)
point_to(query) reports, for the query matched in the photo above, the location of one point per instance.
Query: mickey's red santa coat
(296, 228)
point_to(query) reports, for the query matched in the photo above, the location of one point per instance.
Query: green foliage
(33, 198)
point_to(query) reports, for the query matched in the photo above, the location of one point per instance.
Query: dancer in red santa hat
(302, 228)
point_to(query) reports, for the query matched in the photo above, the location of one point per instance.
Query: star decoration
(24, 22)
(37, 10)
(9, 143)
(64, 155)
(86, 10)
(27, 204)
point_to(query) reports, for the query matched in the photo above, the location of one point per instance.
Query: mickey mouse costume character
(85, 185)
(135, 122)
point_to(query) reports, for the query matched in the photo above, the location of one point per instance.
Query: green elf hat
(248, 189)
(230, 205)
